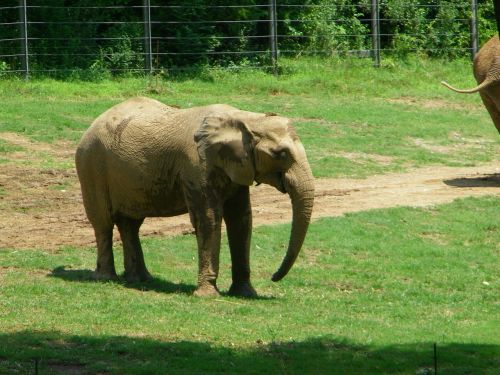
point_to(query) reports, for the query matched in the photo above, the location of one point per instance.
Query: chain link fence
(145, 36)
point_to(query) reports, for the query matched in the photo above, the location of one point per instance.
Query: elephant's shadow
(156, 284)
(491, 180)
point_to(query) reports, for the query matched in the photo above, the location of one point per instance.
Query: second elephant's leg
(133, 257)
(491, 105)
(238, 219)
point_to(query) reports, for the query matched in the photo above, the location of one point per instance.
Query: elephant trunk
(299, 184)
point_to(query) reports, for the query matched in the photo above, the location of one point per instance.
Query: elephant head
(252, 147)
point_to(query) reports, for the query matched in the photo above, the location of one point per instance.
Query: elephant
(487, 73)
(142, 158)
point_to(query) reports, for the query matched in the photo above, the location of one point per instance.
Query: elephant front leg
(238, 219)
(207, 223)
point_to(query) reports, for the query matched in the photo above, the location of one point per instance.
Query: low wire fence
(88, 38)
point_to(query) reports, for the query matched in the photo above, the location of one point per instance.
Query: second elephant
(142, 158)
(487, 73)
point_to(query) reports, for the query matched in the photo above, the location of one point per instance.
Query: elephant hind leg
(105, 269)
(103, 229)
(491, 105)
(97, 207)
(133, 256)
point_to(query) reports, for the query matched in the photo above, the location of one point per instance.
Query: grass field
(399, 112)
(370, 299)
(371, 292)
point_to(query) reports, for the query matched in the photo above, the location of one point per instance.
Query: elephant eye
(280, 154)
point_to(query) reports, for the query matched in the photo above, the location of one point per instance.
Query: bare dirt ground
(41, 207)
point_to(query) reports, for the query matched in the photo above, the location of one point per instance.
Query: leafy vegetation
(81, 38)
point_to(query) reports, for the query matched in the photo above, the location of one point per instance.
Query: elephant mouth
(281, 183)
(276, 180)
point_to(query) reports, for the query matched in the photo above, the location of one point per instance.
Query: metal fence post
(273, 35)
(148, 61)
(376, 33)
(24, 38)
(473, 26)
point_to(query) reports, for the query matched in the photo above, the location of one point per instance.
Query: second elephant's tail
(493, 76)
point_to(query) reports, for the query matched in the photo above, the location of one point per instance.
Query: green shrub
(80, 38)
(4, 67)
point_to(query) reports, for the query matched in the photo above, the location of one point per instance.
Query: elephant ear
(227, 143)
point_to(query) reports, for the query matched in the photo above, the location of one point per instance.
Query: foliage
(71, 35)
(4, 68)
(121, 57)
(433, 28)
(327, 27)
(486, 23)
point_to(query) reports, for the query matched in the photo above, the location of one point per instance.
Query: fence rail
(147, 37)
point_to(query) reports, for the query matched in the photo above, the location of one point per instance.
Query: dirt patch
(459, 144)
(42, 208)
(433, 103)
(59, 149)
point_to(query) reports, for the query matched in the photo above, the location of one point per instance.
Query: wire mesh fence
(136, 36)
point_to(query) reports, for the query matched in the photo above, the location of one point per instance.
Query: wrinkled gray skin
(142, 158)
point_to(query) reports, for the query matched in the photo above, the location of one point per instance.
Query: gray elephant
(487, 73)
(142, 158)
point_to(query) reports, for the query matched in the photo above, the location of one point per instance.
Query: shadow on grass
(58, 353)
(156, 284)
(492, 180)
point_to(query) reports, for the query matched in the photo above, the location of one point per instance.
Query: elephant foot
(136, 277)
(244, 290)
(101, 275)
(206, 291)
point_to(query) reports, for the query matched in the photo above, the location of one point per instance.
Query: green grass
(399, 112)
(370, 294)
(6, 147)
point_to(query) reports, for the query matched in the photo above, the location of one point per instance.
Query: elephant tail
(492, 77)
(483, 85)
